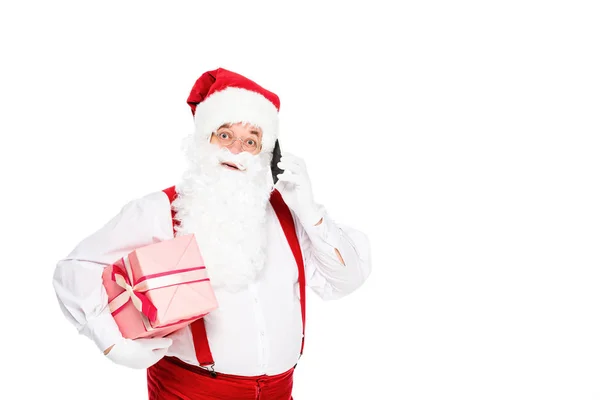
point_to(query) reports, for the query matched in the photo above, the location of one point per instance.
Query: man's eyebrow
(228, 126)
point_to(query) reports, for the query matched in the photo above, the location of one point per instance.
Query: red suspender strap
(286, 220)
(201, 346)
(172, 194)
(287, 223)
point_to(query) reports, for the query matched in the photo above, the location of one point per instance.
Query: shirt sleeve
(77, 278)
(325, 274)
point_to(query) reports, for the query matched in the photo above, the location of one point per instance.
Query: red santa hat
(221, 96)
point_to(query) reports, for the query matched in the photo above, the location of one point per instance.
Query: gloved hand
(139, 353)
(296, 190)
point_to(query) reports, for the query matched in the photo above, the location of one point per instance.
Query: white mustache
(241, 160)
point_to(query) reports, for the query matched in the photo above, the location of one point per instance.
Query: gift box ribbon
(122, 275)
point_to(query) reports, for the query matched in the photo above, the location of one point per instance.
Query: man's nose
(236, 147)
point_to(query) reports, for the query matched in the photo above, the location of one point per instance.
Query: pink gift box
(159, 288)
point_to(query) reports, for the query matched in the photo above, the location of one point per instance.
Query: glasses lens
(250, 144)
(225, 138)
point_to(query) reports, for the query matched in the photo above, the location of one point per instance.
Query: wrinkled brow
(228, 126)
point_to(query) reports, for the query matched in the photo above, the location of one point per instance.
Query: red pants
(172, 379)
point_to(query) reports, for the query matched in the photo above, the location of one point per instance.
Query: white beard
(226, 210)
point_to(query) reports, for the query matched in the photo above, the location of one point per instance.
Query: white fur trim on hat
(233, 105)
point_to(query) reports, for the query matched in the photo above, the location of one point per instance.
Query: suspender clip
(211, 369)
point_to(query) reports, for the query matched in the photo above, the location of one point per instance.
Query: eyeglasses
(227, 139)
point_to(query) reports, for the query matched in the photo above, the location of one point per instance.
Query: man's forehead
(252, 128)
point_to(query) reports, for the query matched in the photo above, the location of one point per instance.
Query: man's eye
(224, 135)
(250, 142)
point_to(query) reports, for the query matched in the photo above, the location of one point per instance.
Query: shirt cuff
(103, 330)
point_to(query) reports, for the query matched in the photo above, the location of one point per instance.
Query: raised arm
(337, 257)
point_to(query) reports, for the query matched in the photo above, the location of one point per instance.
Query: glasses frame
(258, 146)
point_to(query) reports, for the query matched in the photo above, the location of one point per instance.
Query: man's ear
(275, 170)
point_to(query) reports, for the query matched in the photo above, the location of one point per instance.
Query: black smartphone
(275, 170)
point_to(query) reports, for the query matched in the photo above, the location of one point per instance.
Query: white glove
(139, 353)
(294, 186)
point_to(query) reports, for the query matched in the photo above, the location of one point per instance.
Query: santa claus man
(263, 239)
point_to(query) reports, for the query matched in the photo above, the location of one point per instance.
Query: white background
(462, 137)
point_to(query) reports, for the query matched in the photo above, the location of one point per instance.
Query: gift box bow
(122, 275)
(135, 293)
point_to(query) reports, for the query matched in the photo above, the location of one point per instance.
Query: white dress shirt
(255, 331)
